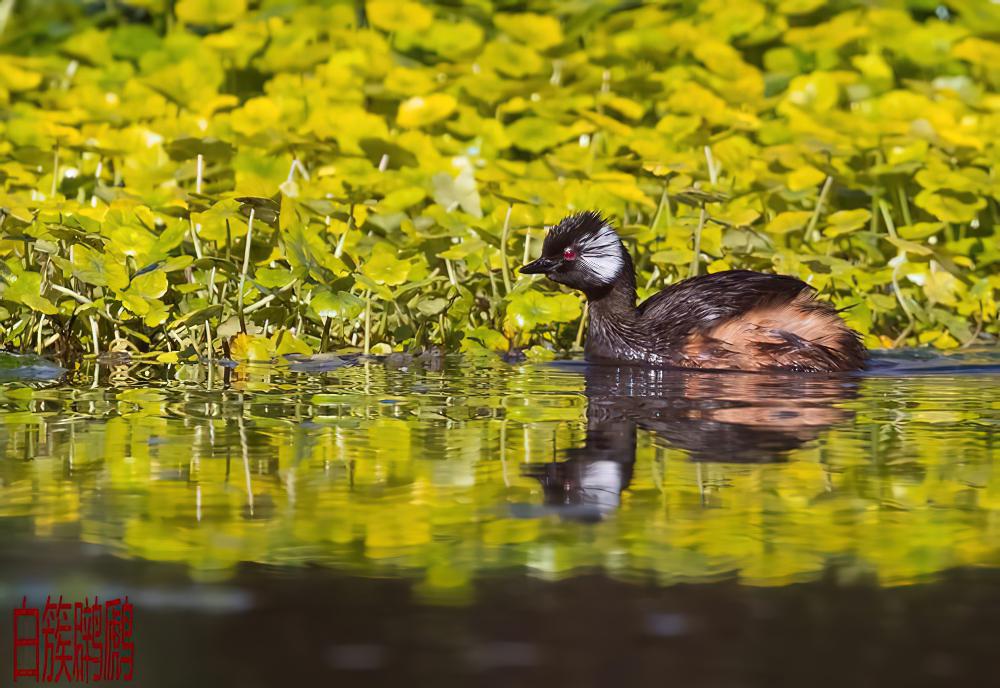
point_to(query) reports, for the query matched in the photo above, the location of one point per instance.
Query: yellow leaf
(804, 178)
(783, 223)
(285, 342)
(392, 15)
(419, 111)
(210, 12)
(247, 347)
(537, 30)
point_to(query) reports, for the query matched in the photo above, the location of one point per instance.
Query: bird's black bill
(541, 266)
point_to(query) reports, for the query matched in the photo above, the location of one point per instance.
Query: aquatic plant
(251, 179)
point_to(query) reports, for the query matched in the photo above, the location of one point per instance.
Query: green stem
(820, 202)
(702, 217)
(93, 334)
(368, 321)
(578, 342)
(208, 341)
(904, 204)
(503, 249)
(55, 171)
(243, 273)
(325, 341)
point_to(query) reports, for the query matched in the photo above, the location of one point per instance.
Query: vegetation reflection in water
(445, 471)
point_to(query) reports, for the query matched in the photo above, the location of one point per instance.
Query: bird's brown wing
(751, 321)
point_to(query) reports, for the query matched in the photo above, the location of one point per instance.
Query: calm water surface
(455, 519)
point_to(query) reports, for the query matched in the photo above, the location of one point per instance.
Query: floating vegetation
(255, 179)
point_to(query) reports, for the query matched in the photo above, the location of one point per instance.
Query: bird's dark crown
(574, 229)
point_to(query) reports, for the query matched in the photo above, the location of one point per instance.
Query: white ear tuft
(601, 254)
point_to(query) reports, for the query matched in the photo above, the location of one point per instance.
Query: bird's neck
(615, 301)
(612, 318)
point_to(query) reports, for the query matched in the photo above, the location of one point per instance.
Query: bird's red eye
(569, 254)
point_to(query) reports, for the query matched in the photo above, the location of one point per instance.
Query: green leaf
(307, 253)
(529, 309)
(909, 246)
(537, 30)
(517, 61)
(398, 15)
(420, 111)
(197, 317)
(340, 305)
(210, 12)
(535, 135)
(97, 269)
(919, 230)
(791, 221)
(491, 339)
(384, 267)
(26, 290)
(950, 206)
(432, 307)
(273, 278)
(846, 221)
(452, 193)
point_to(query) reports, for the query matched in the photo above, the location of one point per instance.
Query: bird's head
(583, 252)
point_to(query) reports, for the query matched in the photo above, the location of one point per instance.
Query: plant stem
(702, 217)
(904, 204)
(503, 249)
(820, 202)
(368, 321)
(208, 341)
(578, 342)
(93, 334)
(194, 240)
(243, 273)
(325, 341)
(887, 216)
(55, 171)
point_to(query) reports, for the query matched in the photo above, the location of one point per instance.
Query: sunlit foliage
(259, 178)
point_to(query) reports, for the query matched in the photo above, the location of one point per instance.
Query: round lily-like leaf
(919, 230)
(212, 150)
(98, 269)
(535, 134)
(529, 309)
(846, 221)
(341, 305)
(210, 12)
(537, 30)
(432, 307)
(791, 221)
(950, 206)
(398, 15)
(419, 111)
(26, 290)
(817, 91)
(249, 347)
(806, 177)
(384, 267)
(513, 60)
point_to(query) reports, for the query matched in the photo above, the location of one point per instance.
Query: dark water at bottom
(266, 627)
(471, 522)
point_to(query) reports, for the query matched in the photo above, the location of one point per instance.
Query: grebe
(733, 320)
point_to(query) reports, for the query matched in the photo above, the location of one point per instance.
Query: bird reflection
(721, 417)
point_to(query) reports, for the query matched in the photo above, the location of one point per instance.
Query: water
(455, 519)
